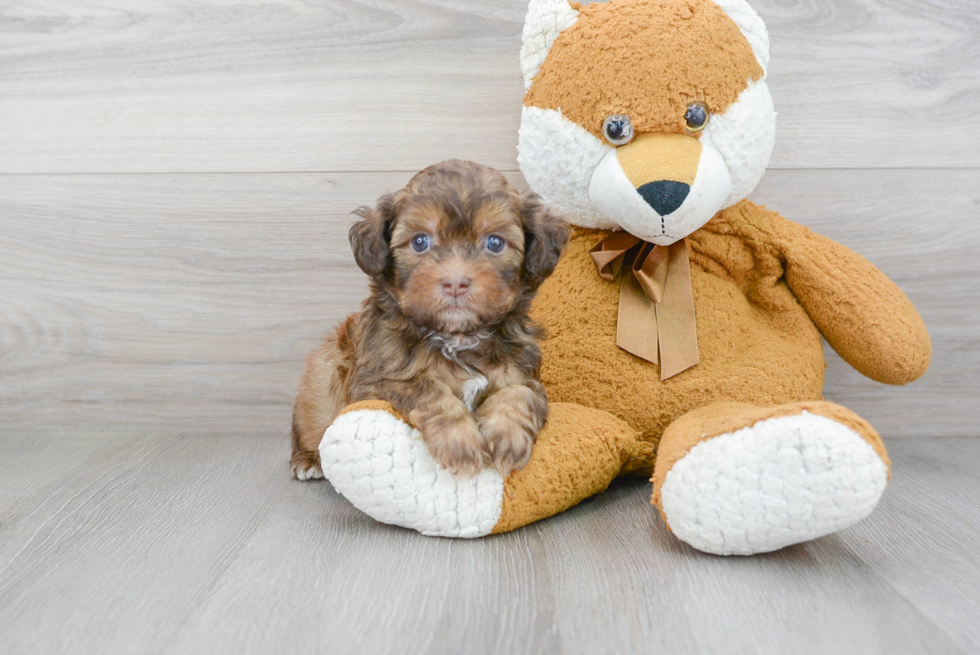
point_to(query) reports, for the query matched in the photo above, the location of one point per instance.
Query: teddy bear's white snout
(661, 211)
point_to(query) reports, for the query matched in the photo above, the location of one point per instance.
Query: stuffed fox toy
(684, 321)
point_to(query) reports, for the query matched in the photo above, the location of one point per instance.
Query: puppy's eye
(420, 243)
(696, 117)
(618, 129)
(495, 244)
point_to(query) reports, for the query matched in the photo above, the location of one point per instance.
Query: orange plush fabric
(867, 319)
(374, 405)
(608, 62)
(577, 455)
(762, 286)
(757, 343)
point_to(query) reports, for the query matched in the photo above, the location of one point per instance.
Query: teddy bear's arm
(864, 316)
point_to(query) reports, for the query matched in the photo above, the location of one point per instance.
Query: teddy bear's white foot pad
(778, 482)
(382, 466)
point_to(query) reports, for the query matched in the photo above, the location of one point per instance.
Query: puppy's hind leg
(305, 464)
(319, 401)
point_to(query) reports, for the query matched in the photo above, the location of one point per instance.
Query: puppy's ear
(545, 238)
(370, 237)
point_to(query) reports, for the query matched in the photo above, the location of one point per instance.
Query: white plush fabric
(779, 482)
(382, 466)
(615, 196)
(546, 19)
(557, 158)
(745, 136)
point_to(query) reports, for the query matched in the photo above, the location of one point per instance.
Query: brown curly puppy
(454, 258)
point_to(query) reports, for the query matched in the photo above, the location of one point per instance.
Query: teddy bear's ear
(752, 27)
(546, 19)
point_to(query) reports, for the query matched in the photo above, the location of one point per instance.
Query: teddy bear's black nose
(665, 196)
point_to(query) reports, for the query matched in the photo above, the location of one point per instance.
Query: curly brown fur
(446, 324)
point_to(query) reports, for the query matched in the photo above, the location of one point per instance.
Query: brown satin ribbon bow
(656, 302)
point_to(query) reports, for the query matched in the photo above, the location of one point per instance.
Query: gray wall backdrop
(176, 181)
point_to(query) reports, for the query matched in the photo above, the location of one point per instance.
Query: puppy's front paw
(457, 445)
(510, 438)
(306, 465)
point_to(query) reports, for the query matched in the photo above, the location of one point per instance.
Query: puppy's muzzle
(455, 284)
(661, 187)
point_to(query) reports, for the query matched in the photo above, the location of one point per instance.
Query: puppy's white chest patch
(472, 389)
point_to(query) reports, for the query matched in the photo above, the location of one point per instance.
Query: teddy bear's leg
(735, 479)
(379, 462)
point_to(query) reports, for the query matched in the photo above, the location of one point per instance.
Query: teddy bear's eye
(697, 116)
(618, 129)
(420, 242)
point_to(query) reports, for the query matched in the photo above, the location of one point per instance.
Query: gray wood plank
(932, 506)
(361, 587)
(193, 545)
(662, 596)
(28, 458)
(196, 291)
(114, 555)
(380, 85)
(185, 303)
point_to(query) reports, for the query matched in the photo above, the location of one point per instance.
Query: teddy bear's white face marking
(662, 208)
(667, 182)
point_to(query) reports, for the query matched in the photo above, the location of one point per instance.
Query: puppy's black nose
(456, 285)
(665, 196)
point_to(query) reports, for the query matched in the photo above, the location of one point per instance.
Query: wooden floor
(203, 544)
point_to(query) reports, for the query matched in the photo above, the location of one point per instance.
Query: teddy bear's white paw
(779, 482)
(382, 466)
